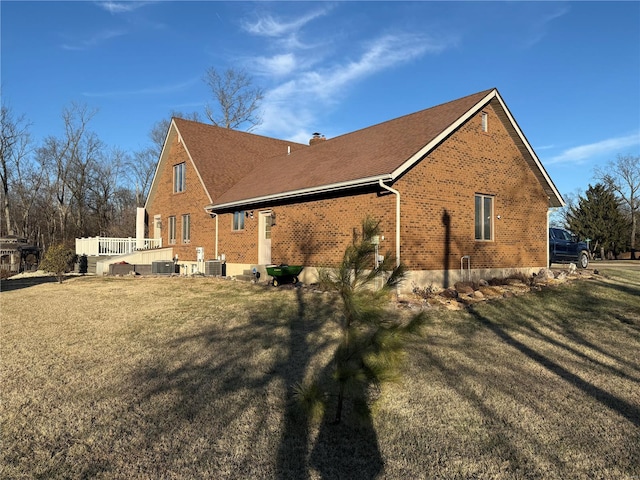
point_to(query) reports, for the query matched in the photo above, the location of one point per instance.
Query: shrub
(58, 259)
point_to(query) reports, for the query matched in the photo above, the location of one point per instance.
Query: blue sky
(568, 71)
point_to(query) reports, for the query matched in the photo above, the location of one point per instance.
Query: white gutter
(397, 194)
(301, 193)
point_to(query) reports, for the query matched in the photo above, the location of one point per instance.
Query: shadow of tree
(532, 324)
(9, 284)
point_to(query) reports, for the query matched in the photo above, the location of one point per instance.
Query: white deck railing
(95, 246)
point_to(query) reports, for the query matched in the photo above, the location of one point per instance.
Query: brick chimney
(316, 138)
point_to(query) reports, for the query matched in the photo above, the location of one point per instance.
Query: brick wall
(442, 185)
(192, 201)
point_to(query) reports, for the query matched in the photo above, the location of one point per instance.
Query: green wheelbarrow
(284, 273)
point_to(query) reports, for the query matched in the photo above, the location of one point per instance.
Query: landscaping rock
(544, 275)
(449, 293)
(464, 289)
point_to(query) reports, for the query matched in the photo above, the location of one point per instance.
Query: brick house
(457, 188)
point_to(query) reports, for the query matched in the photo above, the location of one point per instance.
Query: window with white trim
(485, 122)
(238, 220)
(186, 228)
(483, 217)
(172, 230)
(179, 178)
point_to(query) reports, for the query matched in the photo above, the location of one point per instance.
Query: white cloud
(93, 41)
(583, 153)
(539, 28)
(278, 65)
(296, 103)
(121, 7)
(153, 90)
(268, 26)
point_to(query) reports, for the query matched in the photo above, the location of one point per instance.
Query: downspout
(216, 256)
(216, 241)
(397, 194)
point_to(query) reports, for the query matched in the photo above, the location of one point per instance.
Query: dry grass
(192, 378)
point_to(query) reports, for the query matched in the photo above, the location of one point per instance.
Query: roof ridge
(234, 132)
(481, 93)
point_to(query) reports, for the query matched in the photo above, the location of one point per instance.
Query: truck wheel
(583, 260)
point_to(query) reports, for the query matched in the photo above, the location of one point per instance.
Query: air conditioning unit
(163, 267)
(213, 267)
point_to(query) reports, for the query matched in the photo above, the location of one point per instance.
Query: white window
(485, 120)
(238, 220)
(483, 217)
(179, 178)
(172, 230)
(186, 228)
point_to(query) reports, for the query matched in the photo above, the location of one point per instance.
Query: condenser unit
(215, 268)
(164, 267)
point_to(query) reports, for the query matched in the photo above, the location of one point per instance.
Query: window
(186, 228)
(179, 178)
(172, 230)
(268, 222)
(484, 217)
(485, 120)
(238, 220)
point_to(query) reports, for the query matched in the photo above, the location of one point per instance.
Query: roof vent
(316, 138)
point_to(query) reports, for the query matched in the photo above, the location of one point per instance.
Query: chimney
(316, 138)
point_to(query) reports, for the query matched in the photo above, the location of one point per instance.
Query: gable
(219, 156)
(382, 152)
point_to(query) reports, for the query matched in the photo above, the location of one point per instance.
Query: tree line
(607, 213)
(74, 185)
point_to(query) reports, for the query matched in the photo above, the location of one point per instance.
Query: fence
(95, 246)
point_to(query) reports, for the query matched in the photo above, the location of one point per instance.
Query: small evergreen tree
(372, 337)
(597, 216)
(58, 260)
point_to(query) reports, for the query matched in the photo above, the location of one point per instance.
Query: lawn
(193, 378)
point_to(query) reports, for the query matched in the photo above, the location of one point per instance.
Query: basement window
(483, 217)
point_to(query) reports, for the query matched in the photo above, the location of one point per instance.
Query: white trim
(409, 163)
(173, 130)
(445, 133)
(530, 150)
(302, 192)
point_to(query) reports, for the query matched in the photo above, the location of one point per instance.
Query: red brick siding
(192, 201)
(313, 233)
(472, 161)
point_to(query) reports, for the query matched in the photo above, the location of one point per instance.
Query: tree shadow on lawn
(528, 376)
(224, 397)
(9, 284)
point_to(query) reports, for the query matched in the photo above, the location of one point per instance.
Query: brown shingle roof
(223, 156)
(371, 152)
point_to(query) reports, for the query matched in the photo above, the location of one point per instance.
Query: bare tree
(70, 159)
(622, 176)
(236, 99)
(105, 180)
(14, 147)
